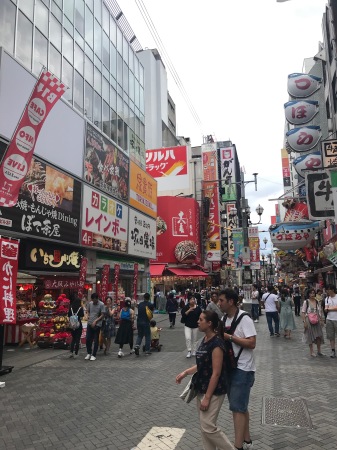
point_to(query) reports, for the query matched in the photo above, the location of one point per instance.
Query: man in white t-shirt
(242, 378)
(331, 319)
(255, 303)
(271, 306)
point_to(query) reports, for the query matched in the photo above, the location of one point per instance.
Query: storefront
(178, 278)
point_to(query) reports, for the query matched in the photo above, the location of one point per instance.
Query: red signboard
(178, 230)
(105, 281)
(15, 164)
(64, 283)
(135, 281)
(165, 162)
(83, 274)
(117, 270)
(9, 254)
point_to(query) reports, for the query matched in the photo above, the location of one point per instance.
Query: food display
(186, 251)
(52, 328)
(161, 226)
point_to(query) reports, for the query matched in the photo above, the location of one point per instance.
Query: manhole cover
(285, 412)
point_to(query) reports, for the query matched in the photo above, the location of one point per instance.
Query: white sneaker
(92, 358)
(247, 446)
(193, 353)
(188, 355)
(87, 357)
(256, 321)
(120, 354)
(132, 352)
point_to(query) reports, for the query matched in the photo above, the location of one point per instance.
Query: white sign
(329, 152)
(300, 112)
(142, 235)
(304, 139)
(307, 162)
(301, 85)
(227, 168)
(104, 221)
(319, 195)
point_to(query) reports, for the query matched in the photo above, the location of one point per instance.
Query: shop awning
(188, 272)
(156, 270)
(25, 278)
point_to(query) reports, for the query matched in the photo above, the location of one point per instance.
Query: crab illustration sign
(302, 85)
(304, 138)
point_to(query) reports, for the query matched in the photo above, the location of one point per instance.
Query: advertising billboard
(211, 190)
(105, 166)
(168, 164)
(227, 171)
(104, 221)
(142, 235)
(48, 205)
(178, 230)
(143, 190)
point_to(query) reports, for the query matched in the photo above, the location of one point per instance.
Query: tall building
(92, 144)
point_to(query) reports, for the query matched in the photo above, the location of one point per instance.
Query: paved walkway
(51, 401)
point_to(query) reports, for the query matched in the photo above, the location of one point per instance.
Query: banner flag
(83, 275)
(9, 255)
(16, 161)
(117, 270)
(105, 281)
(135, 281)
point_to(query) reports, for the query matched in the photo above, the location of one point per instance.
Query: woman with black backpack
(75, 314)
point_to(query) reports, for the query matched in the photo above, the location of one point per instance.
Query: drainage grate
(285, 412)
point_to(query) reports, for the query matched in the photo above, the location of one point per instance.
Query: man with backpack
(145, 315)
(240, 340)
(96, 310)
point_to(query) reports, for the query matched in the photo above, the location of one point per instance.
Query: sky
(233, 59)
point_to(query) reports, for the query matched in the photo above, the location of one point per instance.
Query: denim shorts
(239, 390)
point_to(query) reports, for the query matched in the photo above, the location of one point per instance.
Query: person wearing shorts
(331, 318)
(242, 378)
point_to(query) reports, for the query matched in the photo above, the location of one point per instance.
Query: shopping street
(51, 401)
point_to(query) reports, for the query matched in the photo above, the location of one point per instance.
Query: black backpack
(231, 361)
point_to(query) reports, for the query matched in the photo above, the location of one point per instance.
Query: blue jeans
(273, 316)
(92, 337)
(255, 312)
(144, 330)
(241, 383)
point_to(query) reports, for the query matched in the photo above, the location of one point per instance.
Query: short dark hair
(332, 287)
(146, 296)
(153, 323)
(171, 295)
(230, 294)
(94, 296)
(270, 288)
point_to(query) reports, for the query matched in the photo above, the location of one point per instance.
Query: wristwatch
(230, 338)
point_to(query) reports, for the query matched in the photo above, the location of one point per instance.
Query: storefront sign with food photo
(48, 205)
(142, 235)
(143, 190)
(104, 221)
(105, 166)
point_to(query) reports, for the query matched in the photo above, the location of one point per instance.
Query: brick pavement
(51, 401)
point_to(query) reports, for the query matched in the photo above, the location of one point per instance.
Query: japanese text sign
(142, 235)
(304, 138)
(143, 191)
(301, 85)
(320, 195)
(105, 166)
(135, 281)
(82, 277)
(329, 152)
(227, 169)
(47, 91)
(48, 205)
(9, 255)
(64, 283)
(254, 247)
(105, 281)
(300, 112)
(104, 221)
(291, 236)
(306, 162)
(116, 281)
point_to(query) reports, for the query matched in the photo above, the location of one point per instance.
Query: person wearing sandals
(108, 328)
(312, 321)
(287, 321)
(125, 330)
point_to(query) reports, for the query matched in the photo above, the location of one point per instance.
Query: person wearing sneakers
(75, 308)
(125, 329)
(271, 306)
(189, 317)
(96, 310)
(331, 318)
(143, 324)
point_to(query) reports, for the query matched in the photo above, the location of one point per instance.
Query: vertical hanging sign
(135, 281)
(16, 161)
(117, 270)
(105, 281)
(9, 253)
(83, 274)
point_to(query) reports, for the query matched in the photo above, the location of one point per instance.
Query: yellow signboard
(143, 190)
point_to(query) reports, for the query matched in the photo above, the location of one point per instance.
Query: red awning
(188, 272)
(156, 270)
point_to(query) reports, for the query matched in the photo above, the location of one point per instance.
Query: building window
(106, 119)
(41, 17)
(119, 70)
(79, 59)
(97, 80)
(7, 25)
(57, 10)
(120, 135)
(113, 31)
(68, 47)
(89, 28)
(54, 61)
(106, 51)
(113, 122)
(89, 103)
(24, 41)
(78, 92)
(106, 90)
(97, 110)
(40, 52)
(68, 80)
(69, 9)
(106, 20)
(55, 32)
(89, 71)
(79, 16)
(113, 61)
(98, 39)
(27, 7)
